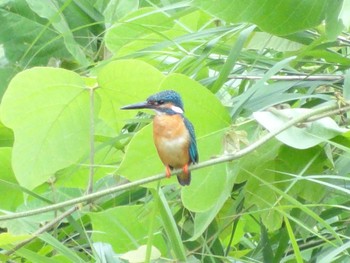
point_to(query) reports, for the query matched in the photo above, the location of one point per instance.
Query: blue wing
(193, 144)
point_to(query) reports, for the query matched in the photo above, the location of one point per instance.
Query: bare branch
(41, 230)
(330, 109)
(89, 189)
(292, 77)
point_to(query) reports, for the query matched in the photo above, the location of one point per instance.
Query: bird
(173, 134)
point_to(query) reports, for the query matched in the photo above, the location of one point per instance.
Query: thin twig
(92, 141)
(292, 77)
(42, 229)
(333, 112)
(221, 159)
(343, 39)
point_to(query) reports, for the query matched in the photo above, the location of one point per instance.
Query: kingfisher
(173, 133)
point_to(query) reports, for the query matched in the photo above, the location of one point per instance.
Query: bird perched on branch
(173, 134)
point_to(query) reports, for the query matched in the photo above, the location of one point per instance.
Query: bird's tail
(184, 178)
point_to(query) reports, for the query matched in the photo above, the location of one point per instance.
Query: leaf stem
(92, 141)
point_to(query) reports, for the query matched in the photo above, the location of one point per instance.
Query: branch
(41, 230)
(331, 109)
(293, 77)
(89, 189)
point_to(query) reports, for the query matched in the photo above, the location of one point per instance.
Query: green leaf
(262, 40)
(265, 243)
(84, 12)
(138, 24)
(48, 110)
(203, 219)
(240, 101)
(332, 254)
(283, 17)
(307, 136)
(34, 256)
(77, 175)
(280, 92)
(117, 9)
(28, 28)
(334, 25)
(269, 199)
(283, 243)
(124, 227)
(6, 73)
(138, 255)
(295, 162)
(261, 196)
(104, 252)
(141, 159)
(8, 184)
(344, 14)
(231, 59)
(123, 82)
(7, 239)
(297, 252)
(170, 227)
(51, 12)
(206, 188)
(61, 248)
(331, 57)
(182, 36)
(6, 136)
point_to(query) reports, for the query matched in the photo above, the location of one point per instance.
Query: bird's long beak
(140, 105)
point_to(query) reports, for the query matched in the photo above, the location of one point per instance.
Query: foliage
(265, 84)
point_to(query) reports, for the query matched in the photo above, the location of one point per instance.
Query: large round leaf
(123, 82)
(48, 110)
(307, 136)
(273, 16)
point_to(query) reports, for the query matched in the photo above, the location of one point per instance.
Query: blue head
(167, 101)
(166, 97)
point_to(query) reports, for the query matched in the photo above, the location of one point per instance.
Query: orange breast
(172, 140)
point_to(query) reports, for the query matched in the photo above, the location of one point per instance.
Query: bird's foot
(185, 169)
(167, 171)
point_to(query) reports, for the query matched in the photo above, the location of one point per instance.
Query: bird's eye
(160, 102)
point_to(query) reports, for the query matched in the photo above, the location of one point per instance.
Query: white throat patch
(176, 109)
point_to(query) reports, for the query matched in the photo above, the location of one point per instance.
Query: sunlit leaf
(343, 15)
(117, 9)
(48, 110)
(262, 40)
(124, 82)
(283, 17)
(124, 227)
(140, 23)
(203, 219)
(7, 239)
(139, 254)
(306, 136)
(105, 253)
